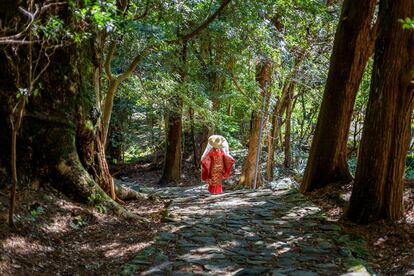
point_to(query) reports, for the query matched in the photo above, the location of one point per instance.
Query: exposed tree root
(77, 182)
(126, 193)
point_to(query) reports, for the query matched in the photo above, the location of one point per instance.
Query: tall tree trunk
(302, 123)
(352, 47)
(289, 106)
(278, 111)
(273, 137)
(15, 120)
(271, 143)
(263, 74)
(193, 140)
(56, 122)
(378, 188)
(173, 153)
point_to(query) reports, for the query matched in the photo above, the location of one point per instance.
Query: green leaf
(407, 23)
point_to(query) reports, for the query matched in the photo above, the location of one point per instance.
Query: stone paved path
(260, 232)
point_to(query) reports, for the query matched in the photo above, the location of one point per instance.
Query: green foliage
(230, 128)
(77, 222)
(96, 200)
(219, 66)
(52, 29)
(100, 14)
(352, 163)
(407, 23)
(409, 166)
(36, 212)
(101, 208)
(22, 92)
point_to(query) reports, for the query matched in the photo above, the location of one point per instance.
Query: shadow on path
(246, 232)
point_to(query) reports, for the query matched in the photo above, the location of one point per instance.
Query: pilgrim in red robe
(215, 166)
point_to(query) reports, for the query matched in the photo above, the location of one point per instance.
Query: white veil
(225, 148)
(208, 148)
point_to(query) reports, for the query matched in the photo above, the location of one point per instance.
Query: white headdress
(216, 141)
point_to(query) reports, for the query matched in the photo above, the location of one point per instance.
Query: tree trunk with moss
(379, 185)
(57, 142)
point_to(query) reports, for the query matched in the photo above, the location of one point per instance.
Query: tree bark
(278, 111)
(54, 121)
(263, 74)
(173, 153)
(287, 147)
(107, 108)
(193, 139)
(15, 120)
(378, 189)
(56, 143)
(272, 144)
(302, 123)
(352, 47)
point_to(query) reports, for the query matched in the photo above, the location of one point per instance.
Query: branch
(31, 16)
(135, 62)
(14, 39)
(108, 60)
(203, 25)
(241, 90)
(149, 48)
(46, 65)
(16, 42)
(42, 47)
(49, 5)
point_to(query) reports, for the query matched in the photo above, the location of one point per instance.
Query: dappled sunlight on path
(245, 232)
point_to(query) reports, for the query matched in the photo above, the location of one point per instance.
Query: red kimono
(215, 166)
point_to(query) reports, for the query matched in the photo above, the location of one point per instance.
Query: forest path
(262, 232)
